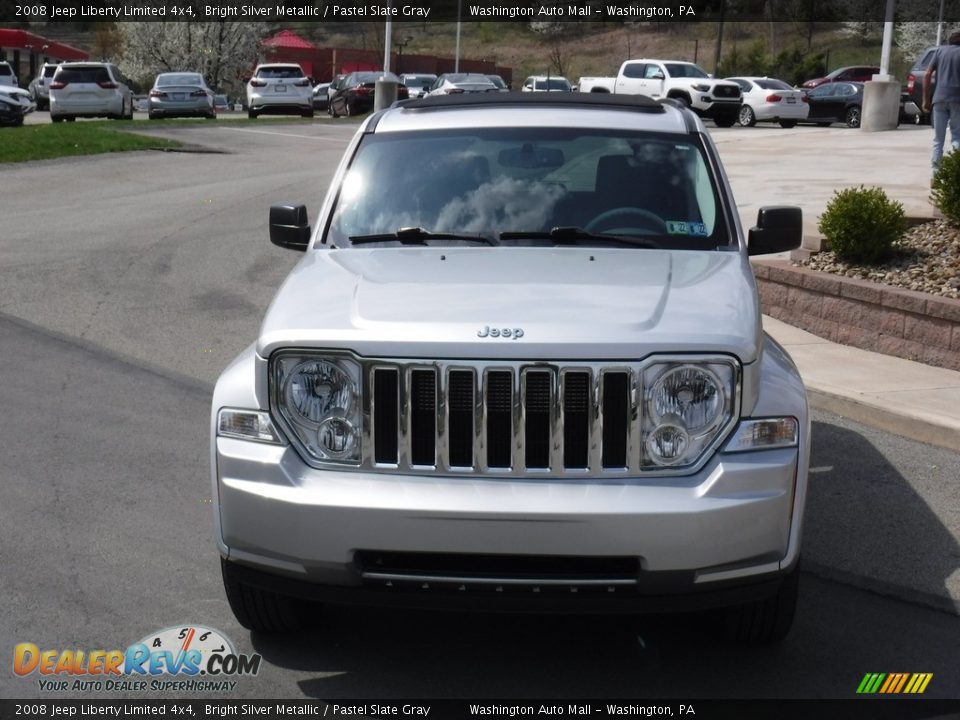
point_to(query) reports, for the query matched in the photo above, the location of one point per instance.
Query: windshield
(285, 72)
(500, 182)
(163, 80)
(679, 70)
(553, 84)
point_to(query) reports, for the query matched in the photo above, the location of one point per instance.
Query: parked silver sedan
(181, 94)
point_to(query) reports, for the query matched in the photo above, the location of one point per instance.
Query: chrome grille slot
(576, 419)
(385, 415)
(616, 409)
(460, 404)
(498, 395)
(423, 417)
(537, 402)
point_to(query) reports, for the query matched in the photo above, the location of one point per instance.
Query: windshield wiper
(577, 236)
(418, 236)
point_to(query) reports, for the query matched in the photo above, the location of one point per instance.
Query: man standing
(946, 96)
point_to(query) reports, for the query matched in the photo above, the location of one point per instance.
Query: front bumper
(13, 114)
(728, 525)
(710, 107)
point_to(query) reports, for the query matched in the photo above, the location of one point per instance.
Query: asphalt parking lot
(130, 281)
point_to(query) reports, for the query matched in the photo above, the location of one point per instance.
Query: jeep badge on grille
(515, 333)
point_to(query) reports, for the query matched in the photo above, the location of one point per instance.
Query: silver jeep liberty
(520, 366)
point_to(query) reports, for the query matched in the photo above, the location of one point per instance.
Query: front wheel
(725, 121)
(307, 113)
(261, 610)
(852, 117)
(56, 118)
(747, 117)
(787, 124)
(763, 621)
(252, 114)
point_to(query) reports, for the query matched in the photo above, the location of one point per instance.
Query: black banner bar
(436, 709)
(419, 11)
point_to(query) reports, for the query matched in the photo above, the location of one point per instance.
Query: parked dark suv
(915, 81)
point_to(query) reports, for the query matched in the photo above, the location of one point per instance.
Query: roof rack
(633, 103)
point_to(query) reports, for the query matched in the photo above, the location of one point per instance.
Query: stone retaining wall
(863, 314)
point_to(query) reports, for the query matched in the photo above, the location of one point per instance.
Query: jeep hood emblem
(487, 331)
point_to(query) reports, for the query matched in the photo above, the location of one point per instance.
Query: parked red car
(854, 73)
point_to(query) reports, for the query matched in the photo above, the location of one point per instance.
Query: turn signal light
(107, 85)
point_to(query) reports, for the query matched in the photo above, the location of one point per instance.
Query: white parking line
(294, 135)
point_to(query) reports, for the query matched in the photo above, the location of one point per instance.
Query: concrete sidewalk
(904, 397)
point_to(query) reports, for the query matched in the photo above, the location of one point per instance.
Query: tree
(914, 37)
(219, 50)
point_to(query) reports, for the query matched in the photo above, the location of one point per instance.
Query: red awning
(23, 40)
(287, 40)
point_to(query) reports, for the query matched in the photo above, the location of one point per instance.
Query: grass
(42, 142)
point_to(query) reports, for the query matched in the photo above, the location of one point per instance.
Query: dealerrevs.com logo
(183, 658)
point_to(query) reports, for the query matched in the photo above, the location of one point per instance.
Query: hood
(569, 303)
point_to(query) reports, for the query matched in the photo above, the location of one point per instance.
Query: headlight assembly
(686, 406)
(318, 402)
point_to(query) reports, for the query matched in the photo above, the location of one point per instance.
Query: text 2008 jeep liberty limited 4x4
(520, 366)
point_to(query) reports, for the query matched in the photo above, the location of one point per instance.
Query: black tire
(746, 117)
(763, 621)
(307, 113)
(824, 124)
(330, 111)
(18, 122)
(261, 610)
(70, 119)
(683, 100)
(252, 114)
(347, 110)
(852, 116)
(725, 121)
(211, 116)
(56, 118)
(129, 115)
(787, 124)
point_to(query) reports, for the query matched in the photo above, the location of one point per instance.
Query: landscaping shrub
(862, 224)
(945, 194)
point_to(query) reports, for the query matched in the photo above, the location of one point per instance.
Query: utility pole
(716, 57)
(456, 56)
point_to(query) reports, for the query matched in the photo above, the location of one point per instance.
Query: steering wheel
(617, 217)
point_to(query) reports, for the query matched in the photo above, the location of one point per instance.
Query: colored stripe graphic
(894, 683)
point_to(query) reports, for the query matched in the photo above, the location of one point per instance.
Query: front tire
(725, 121)
(747, 118)
(787, 124)
(763, 621)
(252, 114)
(307, 113)
(261, 610)
(852, 117)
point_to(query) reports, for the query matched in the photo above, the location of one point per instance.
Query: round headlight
(667, 444)
(317, 389)
(337, 437)
(690, 394)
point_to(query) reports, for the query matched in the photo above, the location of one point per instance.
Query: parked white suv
(534, 379)
(7, 76)
(40, 85)
(89, 89)
(279, 88)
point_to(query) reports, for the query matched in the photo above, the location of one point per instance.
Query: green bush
(862, 224)
(945, 194)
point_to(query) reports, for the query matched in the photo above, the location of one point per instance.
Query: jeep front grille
(515, 419)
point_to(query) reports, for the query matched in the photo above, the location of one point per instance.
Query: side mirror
(779, 228)
(289, 226)
(658, 75)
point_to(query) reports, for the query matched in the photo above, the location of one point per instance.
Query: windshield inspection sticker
(679, 227)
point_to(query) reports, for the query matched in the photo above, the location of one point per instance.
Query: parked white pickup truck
(684, 81)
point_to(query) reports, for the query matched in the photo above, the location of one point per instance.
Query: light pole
(456, 55)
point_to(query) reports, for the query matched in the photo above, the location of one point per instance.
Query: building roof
(287, 39)
(24, 40)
